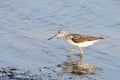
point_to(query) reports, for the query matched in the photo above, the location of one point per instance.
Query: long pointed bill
(52, 37)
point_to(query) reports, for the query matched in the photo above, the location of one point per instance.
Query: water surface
(25, 26)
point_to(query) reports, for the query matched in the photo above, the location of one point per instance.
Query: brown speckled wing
(78, 38)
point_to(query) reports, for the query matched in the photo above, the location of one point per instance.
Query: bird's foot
(69, 50)
(72, 50)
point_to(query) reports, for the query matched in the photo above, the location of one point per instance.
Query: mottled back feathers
(78, 38)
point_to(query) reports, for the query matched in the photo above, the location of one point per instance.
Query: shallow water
(25, 26)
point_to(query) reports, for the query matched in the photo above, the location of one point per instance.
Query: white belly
(83, 44)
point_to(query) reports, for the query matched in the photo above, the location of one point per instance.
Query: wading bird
(78, 40)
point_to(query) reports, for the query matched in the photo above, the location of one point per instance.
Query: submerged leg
(81, 53)
(72, 50)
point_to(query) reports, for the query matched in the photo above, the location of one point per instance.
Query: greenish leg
(81, 54)
(72, 50)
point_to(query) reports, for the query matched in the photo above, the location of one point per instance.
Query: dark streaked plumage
(78, 38)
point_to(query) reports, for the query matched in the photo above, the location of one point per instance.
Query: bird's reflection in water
(77, 67)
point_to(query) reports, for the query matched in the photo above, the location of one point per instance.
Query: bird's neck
(65, 35)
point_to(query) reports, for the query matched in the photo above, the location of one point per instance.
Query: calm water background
(25, 26)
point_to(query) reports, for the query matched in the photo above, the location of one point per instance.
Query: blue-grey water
(25, 26)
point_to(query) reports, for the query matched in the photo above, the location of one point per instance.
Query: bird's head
(59, 34)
